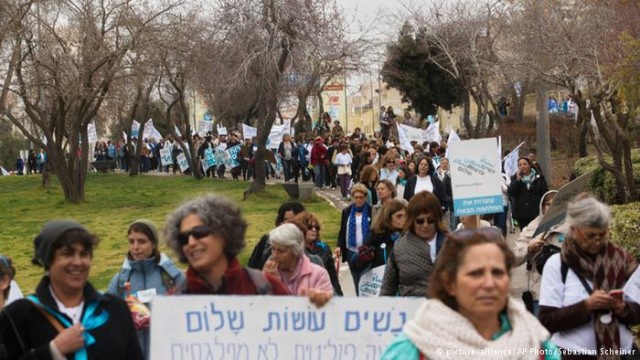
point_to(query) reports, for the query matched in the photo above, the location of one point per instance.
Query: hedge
(603, 184)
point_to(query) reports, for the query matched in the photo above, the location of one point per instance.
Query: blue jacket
(146, 274)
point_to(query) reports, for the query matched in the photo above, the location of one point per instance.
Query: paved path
(518, 275)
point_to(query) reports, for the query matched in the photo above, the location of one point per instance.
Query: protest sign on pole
(222, 130)
(165, 157)
(92, 134)
(511, 161)
(433, 133)
(283, 327)
(182, 162)
(135, 129)
(249, 132)
(412, 133)
(558, 210)
(405, 142)
(231, 156)
(475, 177)
(209, 159)
(371, 282)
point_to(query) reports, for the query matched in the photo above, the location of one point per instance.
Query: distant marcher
(526, 190)
(355, 224)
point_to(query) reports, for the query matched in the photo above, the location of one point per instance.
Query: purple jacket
(306, 275)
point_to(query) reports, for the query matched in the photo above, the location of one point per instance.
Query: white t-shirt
(14, 293)
(359, 237)
(432, 248)
(423, 184)
(554, 293)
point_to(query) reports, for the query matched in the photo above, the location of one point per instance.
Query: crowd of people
(399, 216)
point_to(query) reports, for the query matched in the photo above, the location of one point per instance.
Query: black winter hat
(43, 243)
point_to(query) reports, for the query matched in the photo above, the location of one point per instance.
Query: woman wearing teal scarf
(67, 318)
(526, 190)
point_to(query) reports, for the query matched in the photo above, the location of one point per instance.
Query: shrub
(626, 227)
(603, 184)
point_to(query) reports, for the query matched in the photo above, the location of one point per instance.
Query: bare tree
(68, 55)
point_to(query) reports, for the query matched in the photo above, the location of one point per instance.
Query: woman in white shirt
(343, 161)
(580, 298)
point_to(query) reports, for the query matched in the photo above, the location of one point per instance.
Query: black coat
(374, 240)
(438, 190)
(342, 235)
(22, 323)
(526, 202)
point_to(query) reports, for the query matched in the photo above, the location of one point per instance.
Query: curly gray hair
(219, 213)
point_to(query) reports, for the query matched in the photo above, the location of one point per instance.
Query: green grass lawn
(113, 201)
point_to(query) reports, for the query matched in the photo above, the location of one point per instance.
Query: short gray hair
(290, 236)
(585, 210)
(219, 213)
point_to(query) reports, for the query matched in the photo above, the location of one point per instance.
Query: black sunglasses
(311, 227)
(429, 220)
(197, 232)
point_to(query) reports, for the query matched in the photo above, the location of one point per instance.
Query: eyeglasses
(391, 162)
(429, 220)
(592, 236)
(311, 227)
(197, 232)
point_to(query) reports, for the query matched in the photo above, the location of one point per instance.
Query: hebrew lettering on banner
(475, 177)
(265, 327)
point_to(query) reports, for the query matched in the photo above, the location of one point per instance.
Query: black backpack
(547, 251)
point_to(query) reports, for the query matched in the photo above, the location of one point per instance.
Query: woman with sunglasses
(414, 254)
(581, 301)
(469, 314)
(355, 224)
(145, 272)
(315, 246)
(388, 170)
(208, 233)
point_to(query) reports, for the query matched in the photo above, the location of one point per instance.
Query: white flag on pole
(405, 143)
(249, 132)
(92, 134)
(511, 161)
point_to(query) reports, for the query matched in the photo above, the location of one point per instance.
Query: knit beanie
(152, 227)
(43, 243)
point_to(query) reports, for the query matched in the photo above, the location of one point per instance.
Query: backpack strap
(262, 284)
(564, 269)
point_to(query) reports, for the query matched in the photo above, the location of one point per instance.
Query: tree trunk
(583, 123)
(466, 116)
(542, 133)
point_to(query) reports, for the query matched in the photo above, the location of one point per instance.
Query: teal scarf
(89, 321)
(528, 179)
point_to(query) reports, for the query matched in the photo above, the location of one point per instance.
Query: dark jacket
(374, 240)
(342, 235)
(323, 251)
(526, 201)
(21, 323)
(438, 189)
(408, 269)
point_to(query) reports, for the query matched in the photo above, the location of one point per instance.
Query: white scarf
(437, 329)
